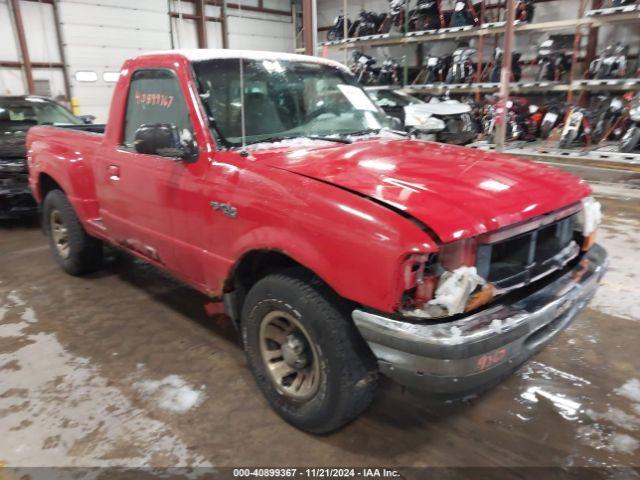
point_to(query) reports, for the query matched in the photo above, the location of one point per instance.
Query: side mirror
(165, 140)
(87, 119)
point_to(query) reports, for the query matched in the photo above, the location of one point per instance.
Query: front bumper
(472, 353)
(16, 201)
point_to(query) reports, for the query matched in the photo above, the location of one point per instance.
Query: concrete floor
(125, 368)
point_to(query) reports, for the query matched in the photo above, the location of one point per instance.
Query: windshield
(284, 99)
(35, 111)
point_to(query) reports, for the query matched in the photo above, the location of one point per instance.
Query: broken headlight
(588, 221)
(444, 284)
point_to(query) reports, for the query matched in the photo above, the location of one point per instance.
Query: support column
(22, 42)
(224, 25)
(201, 24)
(63, 55)
(505, 77)
(309, 26)
(576, 47)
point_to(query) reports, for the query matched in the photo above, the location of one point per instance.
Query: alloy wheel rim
(290, 358)
(59, 234)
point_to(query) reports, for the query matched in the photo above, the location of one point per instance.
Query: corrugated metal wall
(99, 36)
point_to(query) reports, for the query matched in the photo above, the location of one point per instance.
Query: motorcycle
(395, 18)
(516, 66)
(525, 10)
(389, 72)
(427, 16)
(464, 14)
(631, 138)
(518, 125)
(336, 32)
(553, 63)
(362, 68)
(577, 127)
(607, 116)
(553, 116)
(367, 23)
(433, 71)
(462, 67)
(612, 63)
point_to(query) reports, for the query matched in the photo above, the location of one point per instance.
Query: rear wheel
(305, 354)
(74, 250)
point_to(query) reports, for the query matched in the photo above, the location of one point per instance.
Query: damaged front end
(458, 332)
(15, 196)
(470, 273)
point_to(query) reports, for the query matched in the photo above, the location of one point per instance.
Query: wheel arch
(254, 265)
(46, 183)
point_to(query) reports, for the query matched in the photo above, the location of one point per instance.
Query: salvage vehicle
(17, 115)
(441, 118)
(413, 114)
(338, 248)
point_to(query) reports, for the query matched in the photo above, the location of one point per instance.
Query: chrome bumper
(473, 352)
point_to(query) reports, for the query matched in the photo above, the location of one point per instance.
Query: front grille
(521, 259)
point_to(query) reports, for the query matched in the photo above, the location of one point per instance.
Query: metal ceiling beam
(247, 8)
(22, 42)
(20, 65)
(191, 16)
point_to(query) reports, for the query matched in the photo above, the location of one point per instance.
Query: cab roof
(204, 54)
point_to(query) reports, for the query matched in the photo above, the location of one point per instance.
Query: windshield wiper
(310, 137)
(375, 131)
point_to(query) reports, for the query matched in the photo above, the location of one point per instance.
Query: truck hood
(457, 192)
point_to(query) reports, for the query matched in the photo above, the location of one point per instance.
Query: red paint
(287, 200)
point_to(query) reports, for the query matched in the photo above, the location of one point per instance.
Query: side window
(154, 97)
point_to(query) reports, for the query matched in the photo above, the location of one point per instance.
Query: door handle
(114, 172)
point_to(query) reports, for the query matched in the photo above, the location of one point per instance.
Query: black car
(17, 115)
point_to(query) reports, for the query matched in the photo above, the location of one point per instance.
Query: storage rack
(592, 18)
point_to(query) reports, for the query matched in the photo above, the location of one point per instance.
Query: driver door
(134, 201)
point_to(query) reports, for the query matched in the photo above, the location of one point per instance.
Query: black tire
(348, 370)
(630, 140)
(542, 72)
(545, 130)
(83, 252)
(567, 140)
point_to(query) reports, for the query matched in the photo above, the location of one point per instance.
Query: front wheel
(630, 139)
(307, 357)
(74, 250)
(567, 139)
(545, 130)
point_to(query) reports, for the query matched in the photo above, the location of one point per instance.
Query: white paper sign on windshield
(357, 97)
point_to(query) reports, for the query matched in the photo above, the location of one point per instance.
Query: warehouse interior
(489, 132)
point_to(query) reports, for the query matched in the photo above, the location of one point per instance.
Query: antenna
(243, 152)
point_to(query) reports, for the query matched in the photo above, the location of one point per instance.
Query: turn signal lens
(480, 298)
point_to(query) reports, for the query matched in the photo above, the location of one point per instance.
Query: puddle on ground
(611, 426)
(60, 411)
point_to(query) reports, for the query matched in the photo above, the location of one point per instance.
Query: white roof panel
(202, 54)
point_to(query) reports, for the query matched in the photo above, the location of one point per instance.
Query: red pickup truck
(340, 248)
